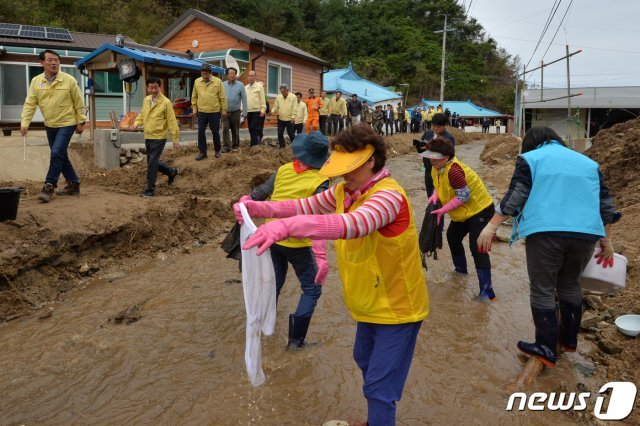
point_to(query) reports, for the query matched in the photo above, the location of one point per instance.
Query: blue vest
(565, 196)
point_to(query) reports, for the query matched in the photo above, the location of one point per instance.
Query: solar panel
(9, 29)
(35, 32)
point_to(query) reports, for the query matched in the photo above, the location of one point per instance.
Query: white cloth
(259, 286)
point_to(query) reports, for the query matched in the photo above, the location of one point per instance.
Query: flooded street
(182, 362)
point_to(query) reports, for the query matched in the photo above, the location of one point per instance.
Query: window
(14, 84)
(277, 74)
(108, 83)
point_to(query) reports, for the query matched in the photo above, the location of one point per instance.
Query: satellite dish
(230, 62)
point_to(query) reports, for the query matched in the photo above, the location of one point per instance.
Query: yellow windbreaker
(382, 278)
(208, 96)
(255, 98)
(60, 102)
(157, 119)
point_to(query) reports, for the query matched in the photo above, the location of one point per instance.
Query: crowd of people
(557, 197)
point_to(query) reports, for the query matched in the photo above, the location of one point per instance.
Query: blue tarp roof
(463, 108)
(349, 83)
(150, 57)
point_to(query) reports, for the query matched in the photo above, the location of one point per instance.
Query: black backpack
(430, 238)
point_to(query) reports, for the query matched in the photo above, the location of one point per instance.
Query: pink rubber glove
(319, 250)
(605, 255)
(451, 205)
(434, 198)
(265, 208)
(316, 227)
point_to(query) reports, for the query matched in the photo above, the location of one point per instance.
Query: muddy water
(183, 361)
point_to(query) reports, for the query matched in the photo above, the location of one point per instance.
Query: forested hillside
(388, 41)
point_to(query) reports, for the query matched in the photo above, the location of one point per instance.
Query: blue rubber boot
(544, 348)
(460, 264)
(570, 318)
(486, 288)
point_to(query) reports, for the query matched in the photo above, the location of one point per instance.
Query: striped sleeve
(320, 203)
(377, 212)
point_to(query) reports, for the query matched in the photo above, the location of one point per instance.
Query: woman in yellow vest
(384, 288)
(299, 179)
(469, 205)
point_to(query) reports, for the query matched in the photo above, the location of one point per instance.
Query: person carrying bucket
(563, 208)
(467, 202)
(384, 288)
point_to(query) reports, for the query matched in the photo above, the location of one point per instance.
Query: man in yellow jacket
(60, 101)
(256, 108)
(286, 107)
(209, 103)
(157, 117)
(337, 112)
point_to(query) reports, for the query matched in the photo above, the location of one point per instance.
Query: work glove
(265, 208)
(319, 251)
(605, 256)
(316, 227)
(451, 205)
(434, 198)
(486, 237)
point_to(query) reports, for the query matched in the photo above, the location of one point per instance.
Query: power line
(552, 14)
(558, 29)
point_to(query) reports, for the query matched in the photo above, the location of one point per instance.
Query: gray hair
(283, 86)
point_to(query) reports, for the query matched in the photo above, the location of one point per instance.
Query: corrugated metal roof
(175, 60)
(463, 108)
(592, 97)
(81, 41)
(349, 82)
(241, 32)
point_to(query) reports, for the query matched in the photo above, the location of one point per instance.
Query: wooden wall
(305, 74)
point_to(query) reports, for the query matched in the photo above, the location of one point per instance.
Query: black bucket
(6, 132)
(9, 199)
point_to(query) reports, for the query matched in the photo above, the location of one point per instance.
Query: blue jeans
(59, 139)
(384, 353)
(304, 265)
(212, 119)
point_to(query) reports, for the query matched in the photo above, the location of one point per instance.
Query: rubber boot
(570, 318)
(544, 348)
(298, 327)
(486, 288)
(460, 264)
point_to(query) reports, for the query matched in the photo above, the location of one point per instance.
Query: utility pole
(444, 48)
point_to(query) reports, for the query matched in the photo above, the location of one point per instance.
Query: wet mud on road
(181, 359)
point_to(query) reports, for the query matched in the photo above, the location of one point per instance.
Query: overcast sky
(606, 31)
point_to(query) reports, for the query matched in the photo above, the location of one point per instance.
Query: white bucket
(597, 279)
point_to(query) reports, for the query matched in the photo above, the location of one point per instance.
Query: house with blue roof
(471, 112)
(348, 82)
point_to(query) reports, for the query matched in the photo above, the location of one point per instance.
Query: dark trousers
(154, 151)
(323, 124)
(59, 139)
(554, 265)
(256, 123)
(388, 124)
(384, 353)
(305, 267)
(428, 180)
(231, 123)
(337, 123)
(298, 128)
(428, 125)
(282, 125)
(211, 119)
(472, 226)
